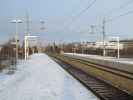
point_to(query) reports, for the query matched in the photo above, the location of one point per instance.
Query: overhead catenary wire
(121, 15)
(126, 4)
(75, 17)
(122, 6)
(84, 10)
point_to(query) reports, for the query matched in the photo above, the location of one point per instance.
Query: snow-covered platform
(121, 63)
(40, 78)
(121, 60)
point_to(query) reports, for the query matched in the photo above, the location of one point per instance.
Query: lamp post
(16, 21)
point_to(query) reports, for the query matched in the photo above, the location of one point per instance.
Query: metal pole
(16, 21)
(16, 40)
(27, 44)
(27, 34)
(82, 47)
(104, 51)
(25, 47)
(118, 48)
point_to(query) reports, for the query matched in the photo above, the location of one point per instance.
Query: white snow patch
(112, 59)
(40, 78)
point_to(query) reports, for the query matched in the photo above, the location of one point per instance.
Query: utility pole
(104, 36)
(118, 47)
(27, 24)
(25, 38)
(16, 39)
(16, 21)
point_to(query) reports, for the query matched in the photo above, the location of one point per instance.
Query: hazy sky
(58, 14)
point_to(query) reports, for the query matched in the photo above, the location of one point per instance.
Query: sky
(58, 16)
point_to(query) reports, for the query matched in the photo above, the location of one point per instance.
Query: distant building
(108, 45)
(127, 43)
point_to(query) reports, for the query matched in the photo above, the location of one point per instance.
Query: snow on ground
(113, 59)
(40, 78)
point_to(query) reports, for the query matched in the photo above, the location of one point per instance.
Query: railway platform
(106, 58)
(125, 64)
(41, 78)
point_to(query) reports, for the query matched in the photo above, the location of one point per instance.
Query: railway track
(99, 87)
